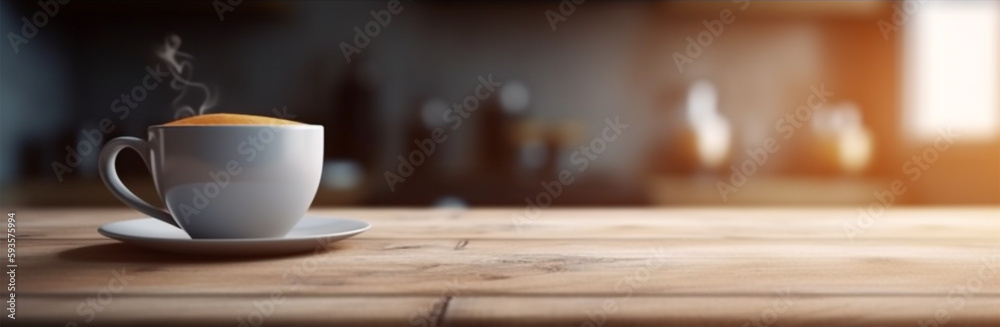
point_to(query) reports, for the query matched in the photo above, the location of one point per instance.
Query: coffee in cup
(225, 175)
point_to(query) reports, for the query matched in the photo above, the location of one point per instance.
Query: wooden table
(580, 267)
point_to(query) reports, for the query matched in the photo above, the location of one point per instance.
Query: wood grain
(422, 267)
(602, 223)
(773, 310)
(660, 267)
(200, 310)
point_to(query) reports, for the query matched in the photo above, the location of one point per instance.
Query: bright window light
(951, 68)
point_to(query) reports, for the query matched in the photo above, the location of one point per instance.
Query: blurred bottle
(352, 133)
(499, 150)
(424, 116)
(533, 150)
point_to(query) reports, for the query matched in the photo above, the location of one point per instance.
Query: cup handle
(110, 176)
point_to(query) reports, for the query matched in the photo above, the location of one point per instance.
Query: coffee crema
(231, 119)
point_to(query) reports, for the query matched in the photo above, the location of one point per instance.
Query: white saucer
(308, 235)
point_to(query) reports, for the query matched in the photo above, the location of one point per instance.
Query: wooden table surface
(578, 267)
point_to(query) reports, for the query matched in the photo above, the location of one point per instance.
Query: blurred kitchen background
(898, 73)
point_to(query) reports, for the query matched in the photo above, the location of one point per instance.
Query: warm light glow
(951, 68)
(711, 129)
(713, 141)
(854, 146)
(854, 141)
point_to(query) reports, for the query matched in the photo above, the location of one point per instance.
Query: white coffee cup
(225, 181)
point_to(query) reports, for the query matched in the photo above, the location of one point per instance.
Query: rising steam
(180, 66)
